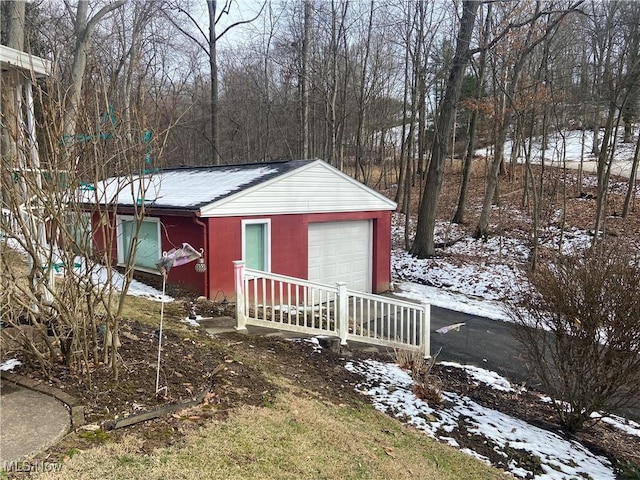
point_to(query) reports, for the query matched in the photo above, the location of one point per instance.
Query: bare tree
(539, 25)
(618, 44)
(306, 77)
(54, 207)
(472, 128)
(208, 43)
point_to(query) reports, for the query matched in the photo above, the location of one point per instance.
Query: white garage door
(341, 252)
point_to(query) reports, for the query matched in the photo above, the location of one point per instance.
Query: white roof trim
(10, 57)
(210, 210)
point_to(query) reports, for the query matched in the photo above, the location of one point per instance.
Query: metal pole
(164, 283)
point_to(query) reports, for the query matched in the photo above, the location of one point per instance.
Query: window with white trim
(256, 244)
(149, 248)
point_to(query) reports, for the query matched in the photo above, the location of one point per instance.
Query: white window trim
(120, 246)
(267, 240)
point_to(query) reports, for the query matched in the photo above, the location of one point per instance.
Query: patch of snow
(627, 426)
(192, 322)
(99, 274)
(482, 375)
(313, 341)
(10, 364)
(390, 389)
(476, 455)
(99, 277)
(452, 300)
(481, 280)
(565, 145)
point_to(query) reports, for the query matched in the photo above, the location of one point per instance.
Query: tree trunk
(15, 27)
(423, 245)
(15, 39)
(83, 31)
(304, 80)
(362, 101)
(404, 165)
(472, 130)
(632, 180)
(213, 66)
(605, 159)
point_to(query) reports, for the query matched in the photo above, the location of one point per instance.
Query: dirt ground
(231, 370)
(236, 370)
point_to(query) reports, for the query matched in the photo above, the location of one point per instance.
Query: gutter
(205, 246)
(156, 211)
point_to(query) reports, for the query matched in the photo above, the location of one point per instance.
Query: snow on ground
(627, 426)
(475, 277)
(495, 269)
(99, 275)
(9, 364)
(566, 145)
(390, 389)
(452, 300)
(481, 375)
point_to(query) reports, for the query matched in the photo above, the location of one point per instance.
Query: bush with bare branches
(578, 325)
(60, 303)
(427, 386)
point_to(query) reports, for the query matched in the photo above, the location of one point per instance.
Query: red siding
(101, 243)
(289, 242)
(175, 231)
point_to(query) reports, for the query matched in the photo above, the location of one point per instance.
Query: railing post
(426, 329)
(342, 314)
(238, 278)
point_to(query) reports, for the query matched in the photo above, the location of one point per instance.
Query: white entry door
(341, 252)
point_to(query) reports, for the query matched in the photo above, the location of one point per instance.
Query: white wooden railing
(292, 304)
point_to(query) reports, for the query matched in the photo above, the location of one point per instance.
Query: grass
(297, 437)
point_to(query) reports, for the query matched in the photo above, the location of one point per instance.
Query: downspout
(205, 246)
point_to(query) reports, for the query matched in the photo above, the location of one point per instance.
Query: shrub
(579, 326)
(428, 386)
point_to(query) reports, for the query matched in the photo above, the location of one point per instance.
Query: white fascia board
(12, 58)
(212, 209)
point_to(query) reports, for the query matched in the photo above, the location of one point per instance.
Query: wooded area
(384, 90)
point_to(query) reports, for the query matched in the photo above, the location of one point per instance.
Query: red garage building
(300, 218)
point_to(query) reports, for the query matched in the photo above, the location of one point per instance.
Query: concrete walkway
(30, 421)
